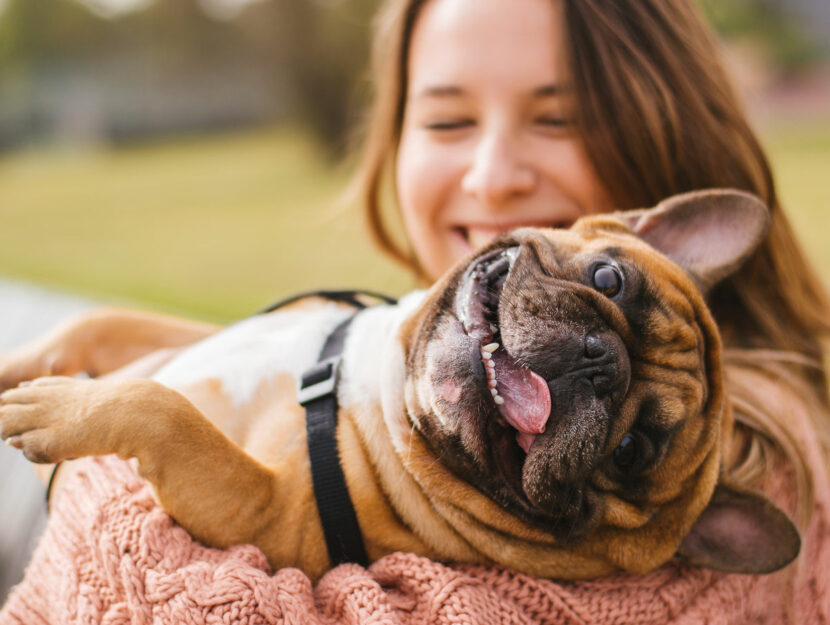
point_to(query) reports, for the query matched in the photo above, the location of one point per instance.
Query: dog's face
(574, 377)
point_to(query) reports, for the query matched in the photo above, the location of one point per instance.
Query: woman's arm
(116, 342)
(99, 342)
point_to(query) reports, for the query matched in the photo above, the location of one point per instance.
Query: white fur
(253, 350)
(373, 353)
(247, 353)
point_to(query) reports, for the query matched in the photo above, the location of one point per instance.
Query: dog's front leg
(215, 490)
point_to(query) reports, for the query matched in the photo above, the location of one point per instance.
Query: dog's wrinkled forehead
(652, 303)
(615, 271)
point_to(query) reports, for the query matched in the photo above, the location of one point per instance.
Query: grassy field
(219, 227)
(800, 155)
(215, 227)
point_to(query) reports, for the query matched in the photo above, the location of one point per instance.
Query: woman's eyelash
(446, 125)
(552, 121)
(449, 125)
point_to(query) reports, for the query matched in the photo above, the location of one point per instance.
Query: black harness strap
(348, 297)
(318, 394)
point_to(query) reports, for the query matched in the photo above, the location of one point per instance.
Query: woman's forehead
(462, 45)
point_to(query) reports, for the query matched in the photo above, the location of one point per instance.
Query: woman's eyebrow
(450, 91)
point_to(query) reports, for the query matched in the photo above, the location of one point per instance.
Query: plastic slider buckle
(319, 381)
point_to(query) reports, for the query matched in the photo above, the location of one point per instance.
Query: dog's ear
(741, 531)
(709, 233)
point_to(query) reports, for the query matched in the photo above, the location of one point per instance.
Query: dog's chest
(255, 350)
(244, 378)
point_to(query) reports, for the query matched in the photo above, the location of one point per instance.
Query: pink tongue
(526, 398)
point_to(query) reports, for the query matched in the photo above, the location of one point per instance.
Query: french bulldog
(554, 404)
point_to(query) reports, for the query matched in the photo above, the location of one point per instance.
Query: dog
(554, 404)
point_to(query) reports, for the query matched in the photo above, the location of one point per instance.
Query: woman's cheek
(567, 166)
(423, 173)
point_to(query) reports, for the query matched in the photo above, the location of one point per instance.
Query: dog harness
(317, 393)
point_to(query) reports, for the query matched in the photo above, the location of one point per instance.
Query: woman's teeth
(480, 236)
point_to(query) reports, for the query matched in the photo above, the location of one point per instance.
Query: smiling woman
(487, 139)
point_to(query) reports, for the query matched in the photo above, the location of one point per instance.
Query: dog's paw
(51, 419)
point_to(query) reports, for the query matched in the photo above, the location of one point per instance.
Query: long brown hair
(657, 116)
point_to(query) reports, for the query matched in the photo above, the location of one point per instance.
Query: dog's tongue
(526, 398)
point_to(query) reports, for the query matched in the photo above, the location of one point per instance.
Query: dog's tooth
(486, 355)
(498, 399)
(492, 383)
(490, 364)
(494, 393)
(493, 328)
(491, 347)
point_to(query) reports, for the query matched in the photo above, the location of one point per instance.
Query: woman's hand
(46, 356)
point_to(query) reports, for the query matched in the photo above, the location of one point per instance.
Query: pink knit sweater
(111, 555)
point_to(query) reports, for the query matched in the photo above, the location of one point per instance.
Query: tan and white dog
(554, 404)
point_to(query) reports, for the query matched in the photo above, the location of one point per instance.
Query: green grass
(211, 227)
(217, 227)
(800, 155)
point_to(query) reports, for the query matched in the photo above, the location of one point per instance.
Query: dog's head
(574, 377)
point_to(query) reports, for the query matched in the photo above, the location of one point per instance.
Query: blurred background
(186, 155)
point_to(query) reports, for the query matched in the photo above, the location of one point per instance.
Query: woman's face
(486, 144)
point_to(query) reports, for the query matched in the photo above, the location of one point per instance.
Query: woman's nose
(496, 173)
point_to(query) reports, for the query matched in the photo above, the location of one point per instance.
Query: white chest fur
(245, 354)
(253, 350)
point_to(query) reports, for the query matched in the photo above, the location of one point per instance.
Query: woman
(493, 114)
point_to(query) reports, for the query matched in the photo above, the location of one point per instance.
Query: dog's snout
(595, 347)
(608, 368)
(606, 381)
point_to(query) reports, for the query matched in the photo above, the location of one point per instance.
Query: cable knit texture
(110, 555)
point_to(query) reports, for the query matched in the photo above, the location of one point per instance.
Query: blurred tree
(310, 54)
(783, 30)
(324, 48)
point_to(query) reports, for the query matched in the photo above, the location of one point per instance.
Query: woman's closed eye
(449, 124)
(552, 123)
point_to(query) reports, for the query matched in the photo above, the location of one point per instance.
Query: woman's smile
(477, 234)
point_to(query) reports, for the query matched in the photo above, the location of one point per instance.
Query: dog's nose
(594, 347)
(607, 363)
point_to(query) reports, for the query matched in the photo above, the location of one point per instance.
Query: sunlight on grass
(217, 227)
(800, 155)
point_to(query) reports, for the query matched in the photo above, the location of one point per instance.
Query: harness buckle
(319, 380)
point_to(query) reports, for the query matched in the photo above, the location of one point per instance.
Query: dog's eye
(607, 280)
(627, 453)
(634, 454)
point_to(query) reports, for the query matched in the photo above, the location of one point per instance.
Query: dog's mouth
(521, 396)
